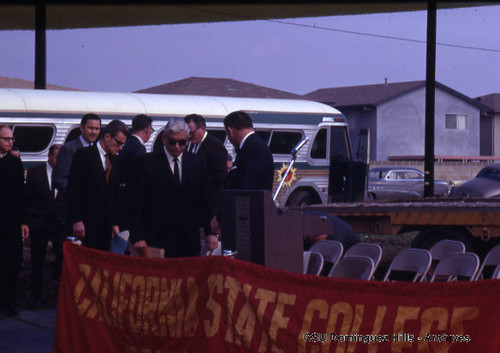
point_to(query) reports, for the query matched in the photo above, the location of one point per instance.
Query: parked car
(400, 183)
(486, 184)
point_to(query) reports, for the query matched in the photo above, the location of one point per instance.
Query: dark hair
(197, 119)
(89, 116)
(114, 127)
(238, 120)
(141, 122)
(54, 147)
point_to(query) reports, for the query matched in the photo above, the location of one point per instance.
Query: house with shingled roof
(12, 82)
(492, 128)
(394, 113)
(222, 87)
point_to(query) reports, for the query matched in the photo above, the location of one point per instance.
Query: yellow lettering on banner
(126, 280)
(358, 317)
(103, 305)
(234, 287)
(265, 297)
(151, 301)
(97, 307)
(191, 320)
(377, 326)
(116, 296)
(82, 307)
(428, 317)
(245, 324)
(460, 315)
(215, 284)
(404, 313)
(315, 305)
(278, 320)
(344, 309)
(136, 304)
(171, 308)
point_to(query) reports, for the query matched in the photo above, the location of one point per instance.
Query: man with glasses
(133, 149)
(171, 200)
(211, 150)
(12, 229)
(90, 126)
(93, 188)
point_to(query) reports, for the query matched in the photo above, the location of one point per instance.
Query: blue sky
(280, 54)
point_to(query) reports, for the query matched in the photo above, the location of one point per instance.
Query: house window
(456, 121)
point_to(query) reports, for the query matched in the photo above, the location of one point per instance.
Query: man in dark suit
(253, 168)
(90, 126)
(12, 227)
(93, 188)
(171, 198)
(133, 149)
(44, 221)
(211, 150)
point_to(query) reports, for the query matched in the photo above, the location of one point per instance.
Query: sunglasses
(118, 142)
(173, 142)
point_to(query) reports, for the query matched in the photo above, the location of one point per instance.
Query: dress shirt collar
(84, 143)
(102, 154)
(139, 138)
(170, 160)
(3, 155)
(245, 138)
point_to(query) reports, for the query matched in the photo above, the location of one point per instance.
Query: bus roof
(68, 102)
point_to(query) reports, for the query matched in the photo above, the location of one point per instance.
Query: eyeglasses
(191, 133)
(173, 142)
(118, 142)
(7, 139)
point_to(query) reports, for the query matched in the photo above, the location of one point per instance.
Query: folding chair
(496, 273)
(354, 267)
(445, 247)
(409, 265)
(331, 250)
(372, 250)
(313, 263)
(457, 266)
(491, 261)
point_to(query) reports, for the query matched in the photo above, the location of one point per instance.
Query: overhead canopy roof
(77, 14)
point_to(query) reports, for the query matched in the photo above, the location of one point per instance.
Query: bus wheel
(300, 198)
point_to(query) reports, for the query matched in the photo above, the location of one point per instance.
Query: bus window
(339, 144)
(33, 138)
(318, 149)
(282, 142)
(220, 134)
(73, 134)
(264, 135)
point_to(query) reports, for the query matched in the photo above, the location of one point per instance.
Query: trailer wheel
(301, 198)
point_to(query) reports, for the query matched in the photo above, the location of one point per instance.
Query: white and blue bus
(40, 118)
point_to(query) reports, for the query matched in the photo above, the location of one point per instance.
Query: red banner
(111, 303)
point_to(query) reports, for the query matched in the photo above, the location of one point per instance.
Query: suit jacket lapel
(165, 165)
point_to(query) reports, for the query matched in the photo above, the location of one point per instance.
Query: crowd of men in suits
(93, 187)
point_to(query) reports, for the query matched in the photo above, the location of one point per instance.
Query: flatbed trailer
(476, 222)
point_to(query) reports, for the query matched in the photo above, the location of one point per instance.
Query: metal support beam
(430, 99)
(40, 47)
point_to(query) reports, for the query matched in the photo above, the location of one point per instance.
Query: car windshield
(489, 173)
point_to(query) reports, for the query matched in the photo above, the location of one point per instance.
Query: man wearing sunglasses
(172, 199)
(93, 188)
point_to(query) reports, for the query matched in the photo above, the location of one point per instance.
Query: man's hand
(79, 229)
(25, 231)
(211, 242)
(141, 247)
(114, 231)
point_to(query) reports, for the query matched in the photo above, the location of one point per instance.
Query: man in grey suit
(90, 126)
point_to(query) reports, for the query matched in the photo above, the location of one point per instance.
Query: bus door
(347, 177)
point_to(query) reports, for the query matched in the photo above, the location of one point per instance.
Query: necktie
(108, 168)
(176, 170)
(193, 147)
